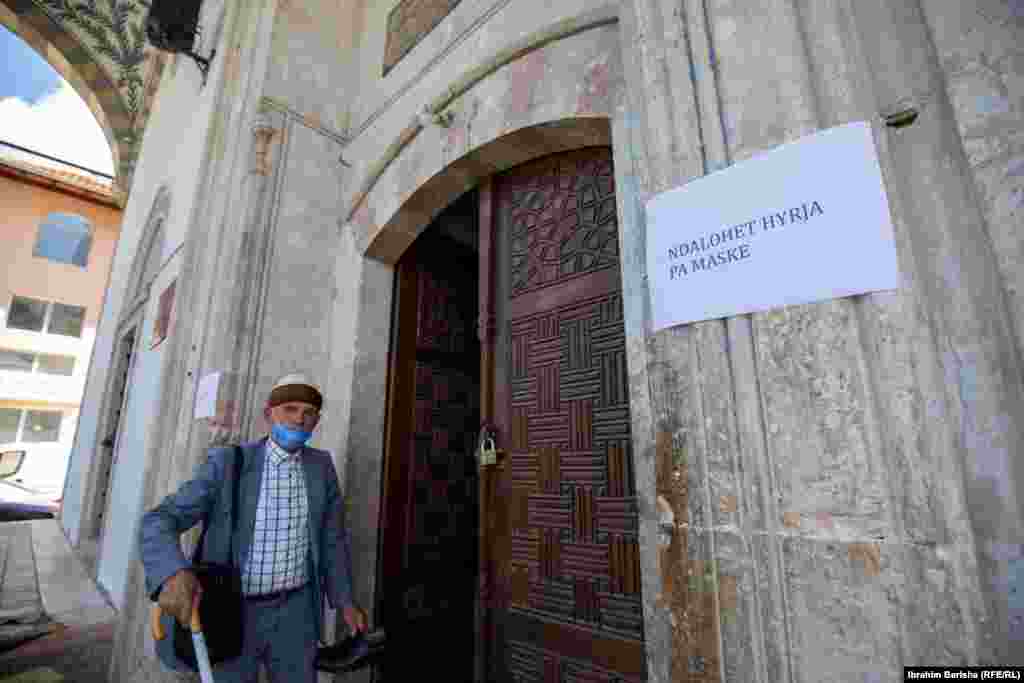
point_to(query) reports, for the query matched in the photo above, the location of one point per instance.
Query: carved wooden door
(429, 551)
(566, 562)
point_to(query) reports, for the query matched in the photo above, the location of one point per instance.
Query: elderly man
(291, 544)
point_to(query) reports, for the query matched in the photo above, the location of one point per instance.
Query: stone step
(66, 591)
(21, 608)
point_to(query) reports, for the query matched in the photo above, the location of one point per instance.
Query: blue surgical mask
(288, 438)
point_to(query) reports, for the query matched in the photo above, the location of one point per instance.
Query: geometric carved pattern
(547, 429)
(437, 578)
(585, 468)
(519, 508)
(443, 324)
(550, 477)
(583, 514)
(586, 601)
(620, 478)
(555, 596)
(621, 612)
(549, 511)
(444, 492)
(520, 586)
(624, 568)
(576, 673)
(581, 422)
(526, 663)
(552, 670)
(430, 551)
(585, 560)
(562, 221)
(520, 429)
(616, 515)
(550, 554)
(531, 664)
(571, 499)
(525, 471)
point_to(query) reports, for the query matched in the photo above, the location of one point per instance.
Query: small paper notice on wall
(807, 221)
(206, 395)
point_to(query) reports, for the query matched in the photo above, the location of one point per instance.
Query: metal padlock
(488, 453)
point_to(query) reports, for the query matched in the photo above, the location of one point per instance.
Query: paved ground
(55, 626)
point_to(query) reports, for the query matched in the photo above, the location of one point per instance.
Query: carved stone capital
(264, 131)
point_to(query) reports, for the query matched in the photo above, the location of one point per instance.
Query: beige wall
(23, 205)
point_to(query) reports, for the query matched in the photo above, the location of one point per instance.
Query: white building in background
(59, 227)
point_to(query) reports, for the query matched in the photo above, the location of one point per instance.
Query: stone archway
(512, 149)
(102, 53)
(376, 306)
(544, 97)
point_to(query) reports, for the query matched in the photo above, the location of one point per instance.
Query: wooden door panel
(567, 560)
(429, 550)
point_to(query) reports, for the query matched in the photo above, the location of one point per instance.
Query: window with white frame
(29, 361)
(29, 426)
(36, 315)
(64, 238)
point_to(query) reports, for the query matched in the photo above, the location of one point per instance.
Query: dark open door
(428, 579)
(563, 547)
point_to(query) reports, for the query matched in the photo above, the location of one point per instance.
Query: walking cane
(198, 641)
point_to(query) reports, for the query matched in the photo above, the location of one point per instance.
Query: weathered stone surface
(540, 88)
(408, 22)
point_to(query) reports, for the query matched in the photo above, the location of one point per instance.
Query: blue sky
(39, 110)
(23, 73)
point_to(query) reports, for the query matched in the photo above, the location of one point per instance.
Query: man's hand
(355, 618)
(180, 595)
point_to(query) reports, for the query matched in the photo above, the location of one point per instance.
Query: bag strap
(235, 485)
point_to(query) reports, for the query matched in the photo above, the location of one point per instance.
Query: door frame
(400, 403)
(379, 244)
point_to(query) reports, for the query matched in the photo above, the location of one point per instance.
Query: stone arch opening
(438, 296)
(75, 63)
(504, 152)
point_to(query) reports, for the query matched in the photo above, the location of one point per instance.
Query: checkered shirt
(280, 543)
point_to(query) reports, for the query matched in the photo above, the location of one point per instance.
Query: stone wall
(980, 47)
(822, 499)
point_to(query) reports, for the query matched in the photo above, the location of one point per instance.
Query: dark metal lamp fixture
(173, 25)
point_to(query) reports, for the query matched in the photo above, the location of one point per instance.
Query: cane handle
(196, 626)
(155, 625)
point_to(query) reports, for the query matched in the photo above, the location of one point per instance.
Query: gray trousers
(279, 633)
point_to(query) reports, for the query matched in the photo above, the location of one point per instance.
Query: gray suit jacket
(207, 496)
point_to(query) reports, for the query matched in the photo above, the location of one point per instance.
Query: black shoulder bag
(220, 609)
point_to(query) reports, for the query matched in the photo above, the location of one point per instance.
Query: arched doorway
(556, 582)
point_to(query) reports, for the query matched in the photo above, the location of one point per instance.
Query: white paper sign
(206, 395)
(804, 222)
